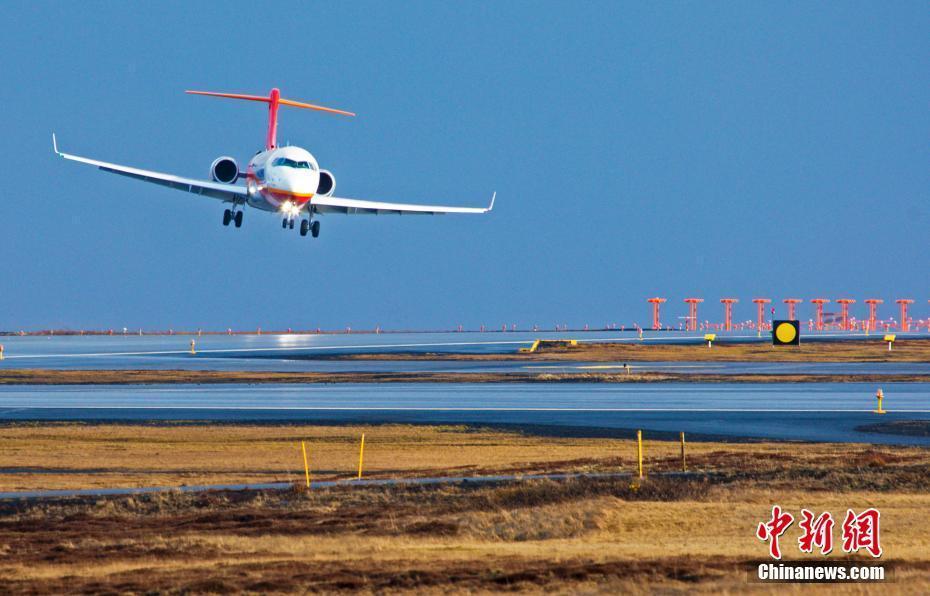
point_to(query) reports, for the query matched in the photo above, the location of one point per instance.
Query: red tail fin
(273, 100)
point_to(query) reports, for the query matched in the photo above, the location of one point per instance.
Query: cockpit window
(290, 163)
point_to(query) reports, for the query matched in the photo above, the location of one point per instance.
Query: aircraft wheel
(227, 216)
(304, 227)
(284, 224)
(238, 219)
(291, 224)
(315, 229)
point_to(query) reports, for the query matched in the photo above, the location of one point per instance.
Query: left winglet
(55, 145)
(493, 197)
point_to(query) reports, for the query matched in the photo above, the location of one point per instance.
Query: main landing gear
(307, 225)
(234, 215)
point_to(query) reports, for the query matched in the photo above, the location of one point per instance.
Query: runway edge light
(786, 333)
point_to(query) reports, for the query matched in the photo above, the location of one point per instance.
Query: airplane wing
(355, 206)
(229, 193)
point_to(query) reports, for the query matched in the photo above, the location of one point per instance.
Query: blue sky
(638, 149)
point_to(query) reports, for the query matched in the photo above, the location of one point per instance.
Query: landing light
(289, 208)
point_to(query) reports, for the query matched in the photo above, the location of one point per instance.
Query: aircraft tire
(304, 227)
(227, 216)
(315, 229)
(283, 224)
(238, 219)
(291, 224)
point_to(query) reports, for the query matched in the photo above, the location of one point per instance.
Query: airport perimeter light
(692, 312)
(760, 311)
(819, 302)
(844, 310)
(792, 307)
(728, 312)
(656, 324)
(905, 323)
(873, 307)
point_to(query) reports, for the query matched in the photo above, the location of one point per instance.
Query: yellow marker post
(890, 339)
(193, 347)
(639, 452)
(879, 395)
(684, 463)
(303, 448)
(361, 456)
(710, 338)
(1, 351)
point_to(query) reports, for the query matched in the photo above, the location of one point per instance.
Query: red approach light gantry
(819, 302)
(728, 312)
(873, 307)
(904, 325)
(656, 324)
(792, 307)
(760, 311)
(844, 310)
(692, 312)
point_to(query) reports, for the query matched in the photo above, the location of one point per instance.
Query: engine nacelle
(327, 184)
(225, 170)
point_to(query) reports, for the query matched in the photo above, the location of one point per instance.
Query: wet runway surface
(296, 353)
(818, 412)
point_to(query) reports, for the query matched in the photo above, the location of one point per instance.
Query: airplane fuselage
(286, 181)
(283, 180)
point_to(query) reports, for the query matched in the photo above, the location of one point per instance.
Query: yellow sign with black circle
(786, 333)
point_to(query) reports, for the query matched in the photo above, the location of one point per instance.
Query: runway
(816, 412)
(820, 412)
(296, 353)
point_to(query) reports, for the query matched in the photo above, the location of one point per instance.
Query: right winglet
(493, 196)
(55, 145)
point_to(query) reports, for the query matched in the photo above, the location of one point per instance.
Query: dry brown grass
(871, 349)
(584, 535)
(70, 456)
(553, 536)
(584, 375)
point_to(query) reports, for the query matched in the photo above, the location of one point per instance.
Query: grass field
(211, 377)
(583, 535)
(862, 349)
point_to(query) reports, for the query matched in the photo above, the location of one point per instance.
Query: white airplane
(283, 180)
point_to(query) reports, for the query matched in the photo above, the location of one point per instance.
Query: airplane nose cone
(299, 183)
(306, 183)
